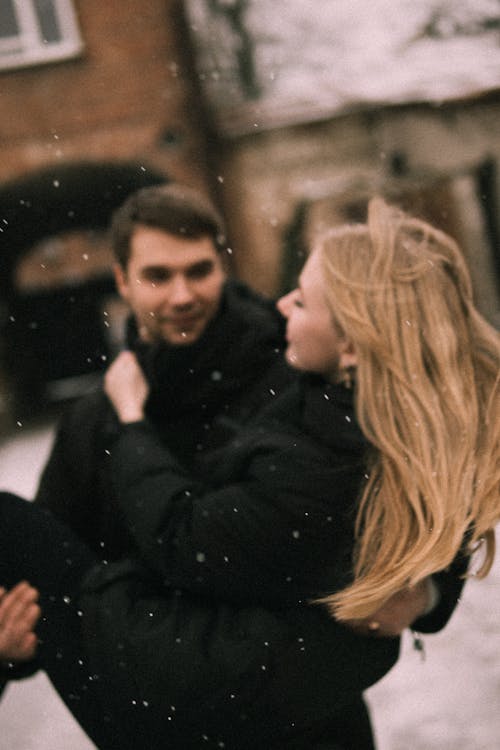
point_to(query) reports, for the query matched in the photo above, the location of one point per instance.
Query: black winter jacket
(197, 394)
(270, 524)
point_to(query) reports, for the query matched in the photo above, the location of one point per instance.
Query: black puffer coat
(272, 525)
(197, 392)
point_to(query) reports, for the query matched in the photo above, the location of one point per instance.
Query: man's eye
(156, 276)
(201, 270)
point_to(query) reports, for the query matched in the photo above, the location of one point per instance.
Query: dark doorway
(55, 278)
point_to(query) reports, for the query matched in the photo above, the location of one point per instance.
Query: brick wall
(127, 97)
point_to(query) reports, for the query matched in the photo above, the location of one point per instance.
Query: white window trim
(29, 48)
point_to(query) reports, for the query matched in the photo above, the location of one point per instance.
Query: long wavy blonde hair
(427, 399)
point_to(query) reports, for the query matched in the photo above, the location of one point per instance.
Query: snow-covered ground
(449, 702)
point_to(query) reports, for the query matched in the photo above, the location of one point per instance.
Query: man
(210, 349)
(211, 352)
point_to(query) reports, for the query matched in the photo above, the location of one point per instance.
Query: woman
(427, 397)
(383, 312)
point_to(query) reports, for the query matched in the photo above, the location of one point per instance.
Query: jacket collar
(236, 344)
(329, 413)
(324, 410)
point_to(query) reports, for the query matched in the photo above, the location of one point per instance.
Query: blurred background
(290, 114)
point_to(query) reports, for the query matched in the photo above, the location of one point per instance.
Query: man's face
(173, 285)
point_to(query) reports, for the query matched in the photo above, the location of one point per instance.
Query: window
(37, 31)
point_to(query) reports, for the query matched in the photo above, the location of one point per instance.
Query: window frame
(28, 46)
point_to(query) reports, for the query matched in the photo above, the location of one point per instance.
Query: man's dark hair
(173, 208)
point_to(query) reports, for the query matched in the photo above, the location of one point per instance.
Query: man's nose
(180, 291)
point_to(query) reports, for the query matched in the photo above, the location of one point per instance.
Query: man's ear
(121, 281)
(348, 357)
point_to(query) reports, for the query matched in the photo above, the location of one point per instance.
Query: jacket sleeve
(250, 539)
(449, 584)
(56, 490)
(17, 672)
(60, 490)
(67, 481)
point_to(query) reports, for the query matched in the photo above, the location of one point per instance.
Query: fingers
(27, 647)
(370, 627)
(126, 387)
(19, 613)
(397, 614)
(15, 600)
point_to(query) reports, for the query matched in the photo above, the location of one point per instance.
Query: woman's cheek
(291, 357)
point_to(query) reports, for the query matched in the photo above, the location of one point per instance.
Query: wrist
(131, 415)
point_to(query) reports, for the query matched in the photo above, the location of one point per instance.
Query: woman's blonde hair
(427, 399)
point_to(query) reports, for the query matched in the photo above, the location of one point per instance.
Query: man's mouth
(186, 321)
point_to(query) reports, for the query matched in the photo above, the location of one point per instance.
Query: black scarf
(236, 345)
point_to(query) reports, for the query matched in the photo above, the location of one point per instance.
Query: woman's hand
(19, 613)
(398, 613)
(126, 387)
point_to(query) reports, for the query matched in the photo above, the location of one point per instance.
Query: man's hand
(19, 613)
(126, 387)
(398, 612)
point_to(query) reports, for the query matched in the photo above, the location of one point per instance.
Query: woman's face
(314, 345)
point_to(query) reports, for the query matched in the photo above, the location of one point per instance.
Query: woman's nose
(284, 303)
